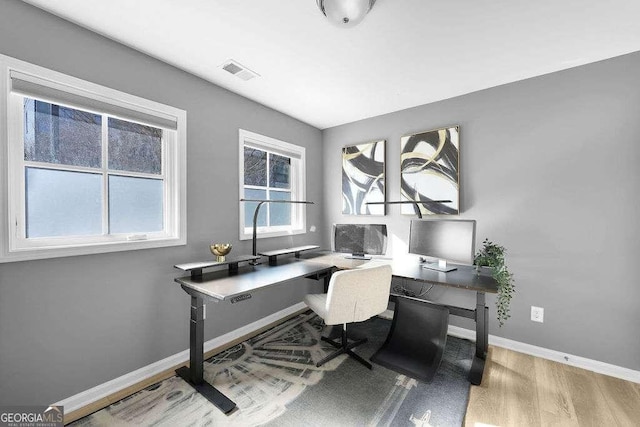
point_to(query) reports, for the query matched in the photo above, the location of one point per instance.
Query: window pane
(255, 167)
(135, 204)
(134, 147)
(279, 171)
(61, 135)
(250, 207)
(280, 213)
(61, 203)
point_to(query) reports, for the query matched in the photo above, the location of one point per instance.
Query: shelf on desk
(195, 268)
(273, 255)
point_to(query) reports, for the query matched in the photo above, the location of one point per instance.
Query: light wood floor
(522, 390)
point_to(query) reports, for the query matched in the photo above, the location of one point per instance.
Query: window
(90, 169)
(271, 170)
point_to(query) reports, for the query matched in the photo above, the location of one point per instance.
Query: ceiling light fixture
(345, 13)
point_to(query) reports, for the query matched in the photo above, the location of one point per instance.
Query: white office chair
(353, 296)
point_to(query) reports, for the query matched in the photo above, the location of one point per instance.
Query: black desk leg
(482, 340)
(194, 375)
(327, 280)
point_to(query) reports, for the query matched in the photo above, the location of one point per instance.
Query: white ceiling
(405, 53)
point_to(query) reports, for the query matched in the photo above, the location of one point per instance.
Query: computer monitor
(445, 240)
(360, 240)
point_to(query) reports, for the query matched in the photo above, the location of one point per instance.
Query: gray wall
(69, 324)
(549, 168)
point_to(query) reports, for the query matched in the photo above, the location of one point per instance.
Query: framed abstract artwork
(429, 168)
(363, 178)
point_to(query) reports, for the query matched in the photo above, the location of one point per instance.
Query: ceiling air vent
(239, 70)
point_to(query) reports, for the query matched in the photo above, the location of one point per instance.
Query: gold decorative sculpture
(220, 250)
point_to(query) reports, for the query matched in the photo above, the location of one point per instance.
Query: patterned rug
(274, 381)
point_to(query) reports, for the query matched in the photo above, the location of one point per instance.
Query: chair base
(344, 347)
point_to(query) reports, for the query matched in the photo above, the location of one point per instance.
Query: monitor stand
(440, 266)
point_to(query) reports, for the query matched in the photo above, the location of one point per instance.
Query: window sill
(266, 235)
(89, 249)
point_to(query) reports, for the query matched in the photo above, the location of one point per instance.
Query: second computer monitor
(445, 240)
(360, 240)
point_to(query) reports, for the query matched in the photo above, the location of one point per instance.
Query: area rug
(274, 381)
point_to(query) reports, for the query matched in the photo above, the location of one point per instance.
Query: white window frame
(298, 184)
(14, 246)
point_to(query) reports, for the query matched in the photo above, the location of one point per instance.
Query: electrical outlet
(537, 314)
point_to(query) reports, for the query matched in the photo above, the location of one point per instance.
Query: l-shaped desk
(238, 283)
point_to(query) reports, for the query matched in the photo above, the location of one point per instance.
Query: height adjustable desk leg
(482, 340)
(327, 280)
(482, 326)
(194, 374)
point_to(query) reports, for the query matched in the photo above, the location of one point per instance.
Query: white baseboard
(556, 356)
(101, 391)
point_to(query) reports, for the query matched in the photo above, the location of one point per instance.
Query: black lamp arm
(416, 207)
(255, 216)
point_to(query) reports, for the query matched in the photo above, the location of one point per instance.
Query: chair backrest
(357, 295)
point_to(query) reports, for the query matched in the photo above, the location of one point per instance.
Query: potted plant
(492, 255)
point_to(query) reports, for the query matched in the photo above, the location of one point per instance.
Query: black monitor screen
(450, 240)
(360, 239)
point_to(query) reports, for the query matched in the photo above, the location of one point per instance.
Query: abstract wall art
(429, 168)
(363, 178)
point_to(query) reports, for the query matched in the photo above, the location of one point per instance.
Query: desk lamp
(416, 207)
(255, 219)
